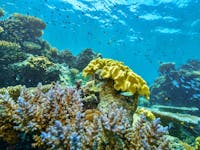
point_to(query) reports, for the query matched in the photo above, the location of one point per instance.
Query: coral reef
(111, 78)
(10, 52)
(57, 119)
(124, 78)
(148, 114)
(181, 123)
(19, 28)
(177, 87)
(20, 37)
(36, 69)
(64, 56)
(83, 59)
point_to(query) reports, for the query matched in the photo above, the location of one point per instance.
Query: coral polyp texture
(57, 119)
(124, 78)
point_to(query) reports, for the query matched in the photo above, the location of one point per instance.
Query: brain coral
(124, 78)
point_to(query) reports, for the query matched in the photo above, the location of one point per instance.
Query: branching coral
(7, 110)
(147, 135)
(124, 78)
(57, 120)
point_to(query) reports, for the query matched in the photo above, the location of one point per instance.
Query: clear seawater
(141, 33)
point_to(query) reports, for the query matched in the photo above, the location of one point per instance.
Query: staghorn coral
(57, 120)
(13, 91)
(124, 78)
(7, 111)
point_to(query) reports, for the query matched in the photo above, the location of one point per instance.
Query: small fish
(128, 94)
(1, 29)
(171, 125)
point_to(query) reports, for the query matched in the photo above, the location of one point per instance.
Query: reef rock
(177, 87)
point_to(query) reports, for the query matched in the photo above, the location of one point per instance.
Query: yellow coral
(197, 143)
(149, 115)
(124, 78)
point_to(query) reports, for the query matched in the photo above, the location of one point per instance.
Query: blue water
(141, 33)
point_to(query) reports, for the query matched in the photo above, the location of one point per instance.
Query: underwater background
(140, 33)
(100, 74)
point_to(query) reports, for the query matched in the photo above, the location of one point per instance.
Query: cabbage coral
(124, 78)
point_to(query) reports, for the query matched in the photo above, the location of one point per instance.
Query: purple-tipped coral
(57, 119)
(148, 135)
